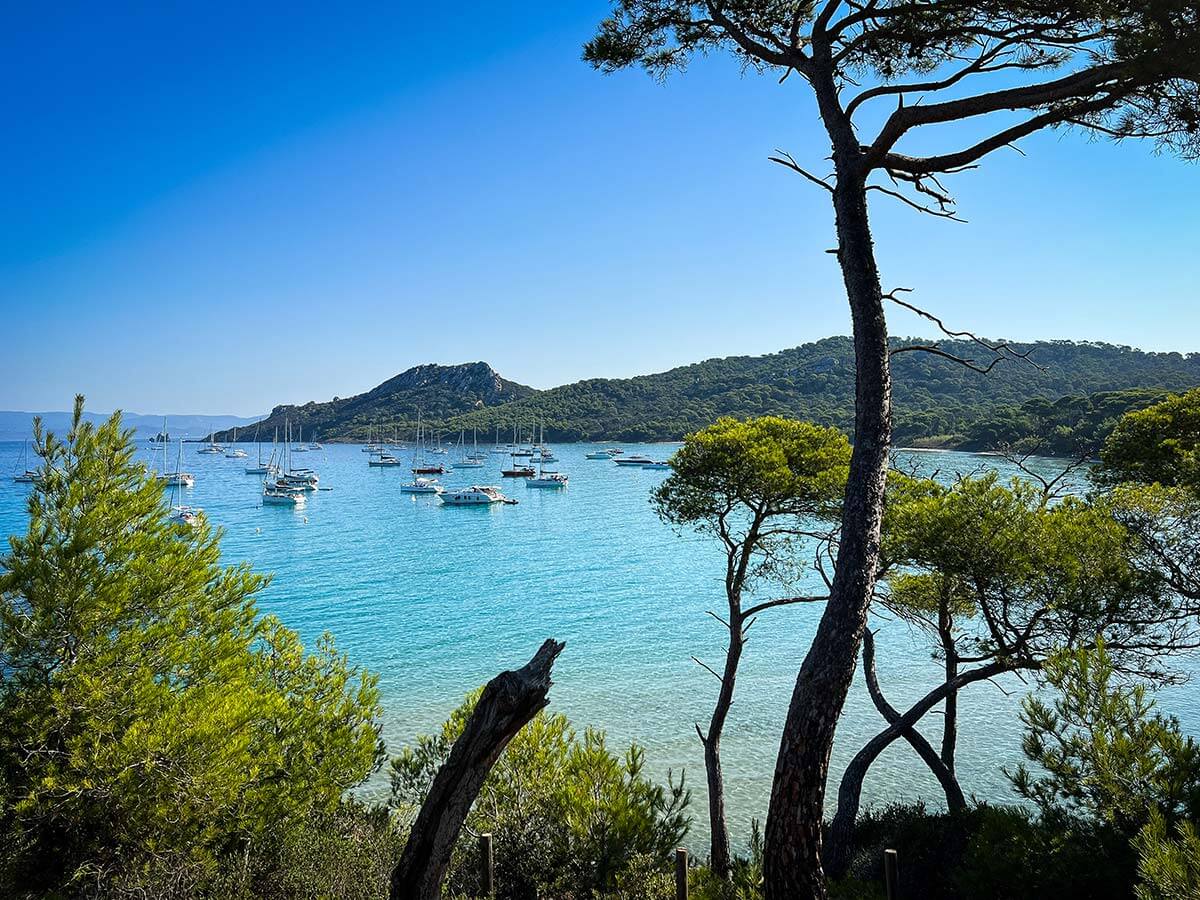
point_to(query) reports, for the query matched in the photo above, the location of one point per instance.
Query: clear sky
(214, 208)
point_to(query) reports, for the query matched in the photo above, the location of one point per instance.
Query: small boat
(658, 464)
(304, 479)
(300, 446)
(270, 467)
(185, 515)
(421, 486)
(213, 447)
(599, 454)
(280, 493)
(517, 471)
(547, 480)
(26, 475)
(475, 495)
(235, 452)
(385, 460)
(472, 460)
(178, 478)
(634, 460)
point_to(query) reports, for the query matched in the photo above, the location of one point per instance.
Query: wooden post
(891, 874)
(681, 872)
(487, 867)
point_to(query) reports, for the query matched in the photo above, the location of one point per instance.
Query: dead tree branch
(508, 702)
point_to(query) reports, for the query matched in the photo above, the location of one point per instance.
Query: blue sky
(212, 210)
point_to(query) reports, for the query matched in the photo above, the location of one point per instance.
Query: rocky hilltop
(434, 392)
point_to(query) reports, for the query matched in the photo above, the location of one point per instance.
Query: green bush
(569, 818)
(989, 853)
(153, 724)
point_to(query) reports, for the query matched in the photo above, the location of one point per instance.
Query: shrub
(569, 817)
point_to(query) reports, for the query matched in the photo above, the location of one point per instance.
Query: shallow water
(438, 599)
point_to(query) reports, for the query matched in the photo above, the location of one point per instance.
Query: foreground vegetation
(162, 739)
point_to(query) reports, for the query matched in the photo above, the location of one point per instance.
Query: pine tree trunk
(794, 820)
(720, 854)
(841, 829)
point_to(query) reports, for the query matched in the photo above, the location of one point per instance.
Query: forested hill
(933, 396)
(432, 391)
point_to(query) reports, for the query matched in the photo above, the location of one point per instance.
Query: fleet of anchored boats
(286, 484)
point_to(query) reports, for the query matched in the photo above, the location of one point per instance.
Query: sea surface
(439, 599)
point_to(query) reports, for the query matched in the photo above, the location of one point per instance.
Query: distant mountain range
(16, 426)
(933, 397)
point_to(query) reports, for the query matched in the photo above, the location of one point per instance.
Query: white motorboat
(421, 486)
(475, 495)
(599, 454)
(634, 460)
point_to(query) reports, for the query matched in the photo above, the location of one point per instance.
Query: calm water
(438, 599)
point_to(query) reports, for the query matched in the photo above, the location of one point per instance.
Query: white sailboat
(179, 513)
(547, 478)
(26, 475)
(278, 491)
(213, 447)
(262, 468)
(465, 460)
(235, 452)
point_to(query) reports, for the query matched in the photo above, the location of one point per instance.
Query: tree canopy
(153, 720)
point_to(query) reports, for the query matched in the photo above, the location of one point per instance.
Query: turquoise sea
(438, 599)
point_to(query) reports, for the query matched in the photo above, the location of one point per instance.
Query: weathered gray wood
(891, 874)
(487, 867)
(681, 874)
(507, 703)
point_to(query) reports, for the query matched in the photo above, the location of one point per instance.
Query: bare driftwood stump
(507, 703)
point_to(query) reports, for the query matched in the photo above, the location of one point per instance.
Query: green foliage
(151, 719)
(1169, 867)
(1023, 574)
(1069, 426)
(1103, 752)
(1157, 445)
(987, 853)
(750, 471)
(569, 817)
(932, 397)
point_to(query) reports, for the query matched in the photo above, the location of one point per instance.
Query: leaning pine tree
(1123, 68)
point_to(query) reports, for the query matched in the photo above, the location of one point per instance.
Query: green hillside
(934, 398)
(434, 392)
